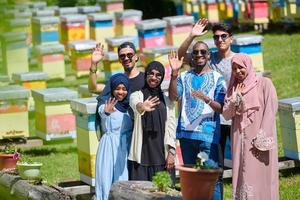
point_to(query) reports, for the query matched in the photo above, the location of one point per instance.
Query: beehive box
(152, 33)
(53, 115)
(159, 54)
(51, 60)
(225, 10)
(114, 42)
(277, 10)
(14, 111)
(289, 115)
(83, 91)
(45, 30)
(111, 6)
(256, 12)
(88, 10)
(251, 45)
(195, 9)
(111, 64)
(14, 53)
(81, 52)
(87, 139)
(31, 80)
(72, 28)
(178, 29)
(101, 26)
(43, 13)
(125, 23)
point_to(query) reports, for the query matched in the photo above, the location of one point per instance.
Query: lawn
(281, 58)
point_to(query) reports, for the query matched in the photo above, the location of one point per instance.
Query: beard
(128, 69)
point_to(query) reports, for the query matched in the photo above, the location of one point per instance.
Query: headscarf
(115, 81)
(249, 93)
(150, 120)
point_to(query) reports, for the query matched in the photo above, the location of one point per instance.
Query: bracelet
(93, 70)
(209, 102)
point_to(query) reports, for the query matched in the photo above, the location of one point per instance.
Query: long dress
(255, 169)
(112, 153)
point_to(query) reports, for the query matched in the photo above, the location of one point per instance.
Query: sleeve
(135, 98)
(105, 120)
(170, 130)
(179, 87)
(105, 94)
(220, 90)
(266, 137)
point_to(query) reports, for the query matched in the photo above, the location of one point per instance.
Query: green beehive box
(289, 115)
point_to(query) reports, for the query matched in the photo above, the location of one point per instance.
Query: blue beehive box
(45, 30)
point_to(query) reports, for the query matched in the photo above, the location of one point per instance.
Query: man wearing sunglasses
(128, 58)
(201, 93)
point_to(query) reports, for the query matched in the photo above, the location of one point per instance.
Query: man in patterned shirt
(200, 92)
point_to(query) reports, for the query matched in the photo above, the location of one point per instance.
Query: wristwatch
(172, 151)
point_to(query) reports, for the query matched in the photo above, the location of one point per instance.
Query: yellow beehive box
(51, 60)
(111, 64)
(87, 139)
(14, 53)
(85, 10)
(54, 118)
(14, 111)
(101, 26)
(289, 115)
(31, 80)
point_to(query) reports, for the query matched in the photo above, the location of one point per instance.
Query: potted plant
(28, 169)
(9, 156)
(163, 182)
(198, 181)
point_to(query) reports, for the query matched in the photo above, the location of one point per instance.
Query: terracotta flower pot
(7, 161)
(197, 183)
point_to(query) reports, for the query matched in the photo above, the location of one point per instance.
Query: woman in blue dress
(116, 124)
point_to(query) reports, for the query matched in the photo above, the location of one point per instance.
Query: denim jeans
(190, 148)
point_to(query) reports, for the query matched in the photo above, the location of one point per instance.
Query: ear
(137, 58)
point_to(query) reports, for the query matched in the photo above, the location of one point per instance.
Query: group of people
(219, 96)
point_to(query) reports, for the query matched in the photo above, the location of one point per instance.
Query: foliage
(203, 162)
(162, 180)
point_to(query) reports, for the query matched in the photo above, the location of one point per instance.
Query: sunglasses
(156, 75)
(222, 36)
(128, 55)
(203, 52)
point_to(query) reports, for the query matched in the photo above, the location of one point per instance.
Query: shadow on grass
(289, 172)
(49, 150)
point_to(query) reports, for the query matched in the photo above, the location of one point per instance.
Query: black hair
(126, 45)
(222, 27)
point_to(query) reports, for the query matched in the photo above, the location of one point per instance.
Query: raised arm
(175, 64)
(97, 56)
(197, 30)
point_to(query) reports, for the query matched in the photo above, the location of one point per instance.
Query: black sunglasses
(203, 52)
(222, 36)
(128, 55)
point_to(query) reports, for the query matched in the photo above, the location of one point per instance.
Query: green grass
(281, 58)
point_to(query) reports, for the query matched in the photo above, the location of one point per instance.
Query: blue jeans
(190, 148)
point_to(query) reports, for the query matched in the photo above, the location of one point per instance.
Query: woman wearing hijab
(116, 124)
(153, 138)
(251, 103)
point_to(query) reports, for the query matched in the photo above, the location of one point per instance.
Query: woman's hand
(170, 161)
(97, 54)
(109, 106)
(175, 63)
(237, 93)
(149, 104)
(199, 27)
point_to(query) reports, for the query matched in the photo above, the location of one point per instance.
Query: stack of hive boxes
(14, 112)
(81, 52)
(31, 81)
(178, 29)
(53, 114)
(88, 10)
(87, 140)
(152, 33)
(289, 115)
(51, 60)
(251, 45)
(45, 30)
